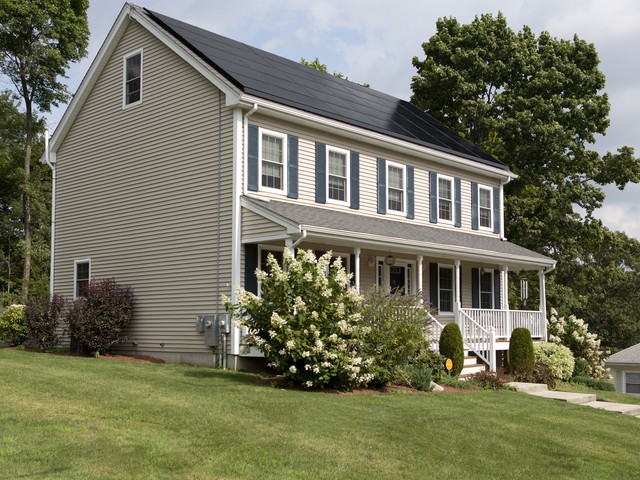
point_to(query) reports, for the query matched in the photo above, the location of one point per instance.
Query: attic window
(133, 79)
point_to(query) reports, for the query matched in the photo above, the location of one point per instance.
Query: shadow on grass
(223, 376)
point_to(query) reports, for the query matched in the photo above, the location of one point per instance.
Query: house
(625, 369)
(185, 157)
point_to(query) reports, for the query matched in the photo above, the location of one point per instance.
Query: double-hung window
(81, 276)
(445, 288)
(337, 175)
(445, 199)
(485, 207)
(395, 188)
(486, 289)
(632, 383)
(273, 169)
(133, 78)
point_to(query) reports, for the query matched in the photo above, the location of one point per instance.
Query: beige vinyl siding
(138, 193)
(368, 174)
(256, 226)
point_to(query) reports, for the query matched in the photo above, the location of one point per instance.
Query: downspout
(52, 166)
(299, 241)
(502, 184)
(239, 162)
(543, 296)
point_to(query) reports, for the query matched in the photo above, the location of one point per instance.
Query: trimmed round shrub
(557, 357)
(581, 368)
(451, 346)
(13, 325)
(521, 356)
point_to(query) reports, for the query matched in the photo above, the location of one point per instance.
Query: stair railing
(478, 339)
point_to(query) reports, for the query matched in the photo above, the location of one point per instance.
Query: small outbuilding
(625, 368)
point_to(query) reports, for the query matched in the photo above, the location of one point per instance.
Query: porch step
(471, 369)
(470, 360)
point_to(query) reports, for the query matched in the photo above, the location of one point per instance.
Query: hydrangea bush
(13, 325)
(557, 357)
(574, 333)
(307, 321)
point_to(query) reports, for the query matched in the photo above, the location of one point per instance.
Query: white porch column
(543, 302)
(457, 294)
(504, 295)
(356, 274)
(419, 269)
(288, 243)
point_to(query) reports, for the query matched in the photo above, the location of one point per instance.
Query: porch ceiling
(397, 235)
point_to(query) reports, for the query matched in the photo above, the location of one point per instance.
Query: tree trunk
(26, 204)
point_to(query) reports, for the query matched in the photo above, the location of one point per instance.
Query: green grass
(601, 395)
(86, 418)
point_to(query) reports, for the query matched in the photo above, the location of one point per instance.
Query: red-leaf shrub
(43, 317)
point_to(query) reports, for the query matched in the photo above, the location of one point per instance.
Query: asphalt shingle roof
(627, 356)
(271, 77)
(407, 232)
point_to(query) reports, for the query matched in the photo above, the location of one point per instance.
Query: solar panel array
(271, 77)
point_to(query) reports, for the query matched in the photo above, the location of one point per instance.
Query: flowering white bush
(574, 333)
(307, 321)
(557, 357)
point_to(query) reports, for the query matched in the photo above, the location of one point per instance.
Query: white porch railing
(434, 333)
(504, 321)
(478, 339)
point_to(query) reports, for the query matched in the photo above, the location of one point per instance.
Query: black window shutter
(433, 285)
(321, 173)
(496, 210)
(250, 265)
(354, 180)
(292, 166)
(252, 158)
(496, 289)
(475, 288)
(410, 193)
(433, 200)
(458, 193)
(474, 205)
(382, 185)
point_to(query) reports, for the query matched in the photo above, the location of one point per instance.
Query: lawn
(87, 418)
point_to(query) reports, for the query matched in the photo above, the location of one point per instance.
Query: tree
(38, 41)
(536, 103)
(318, 65)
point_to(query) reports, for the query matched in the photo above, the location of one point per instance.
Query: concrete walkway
(540, 390)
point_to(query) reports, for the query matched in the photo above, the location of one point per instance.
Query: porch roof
(398, 235)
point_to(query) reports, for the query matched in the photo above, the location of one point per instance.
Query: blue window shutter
(321, 173)
(292, 166)
(474, 205)
(250, 265)
(496, 289)
(252, 158)
(433, 285)
(475, 288)
(382, 185)
(496, 210)
(410, 193)
(433, 200)
(354, 180)
(458, 193)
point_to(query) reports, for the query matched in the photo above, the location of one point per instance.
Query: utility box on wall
(213, 326)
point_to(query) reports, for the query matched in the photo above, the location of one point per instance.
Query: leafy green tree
(318, 65)
(38, 41)
(537, 104)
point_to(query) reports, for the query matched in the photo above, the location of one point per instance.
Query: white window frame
(285, 161)
(480, 291)
(453, 199)
(402, 212)
(624, 381)
(124, 78)
(75, 274)
(491, 219)
(383, 274)
(453, 289)
(347, 190)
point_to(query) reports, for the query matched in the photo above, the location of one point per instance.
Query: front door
(396, 278)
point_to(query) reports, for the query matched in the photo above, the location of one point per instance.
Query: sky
(374, 41)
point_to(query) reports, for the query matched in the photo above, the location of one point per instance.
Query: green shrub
(43, 317)
(307, 322)
(521, 356)
(427, 358)
(487, 380)
(594, 383)
(581, 368)
(418, 377)
(451, 346)
(98, 319)
(397, 329)
(541, 374)
(555, 356)
(455, 382)
(13, 325)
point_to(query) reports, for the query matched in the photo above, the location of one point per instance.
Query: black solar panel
(265, 75)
